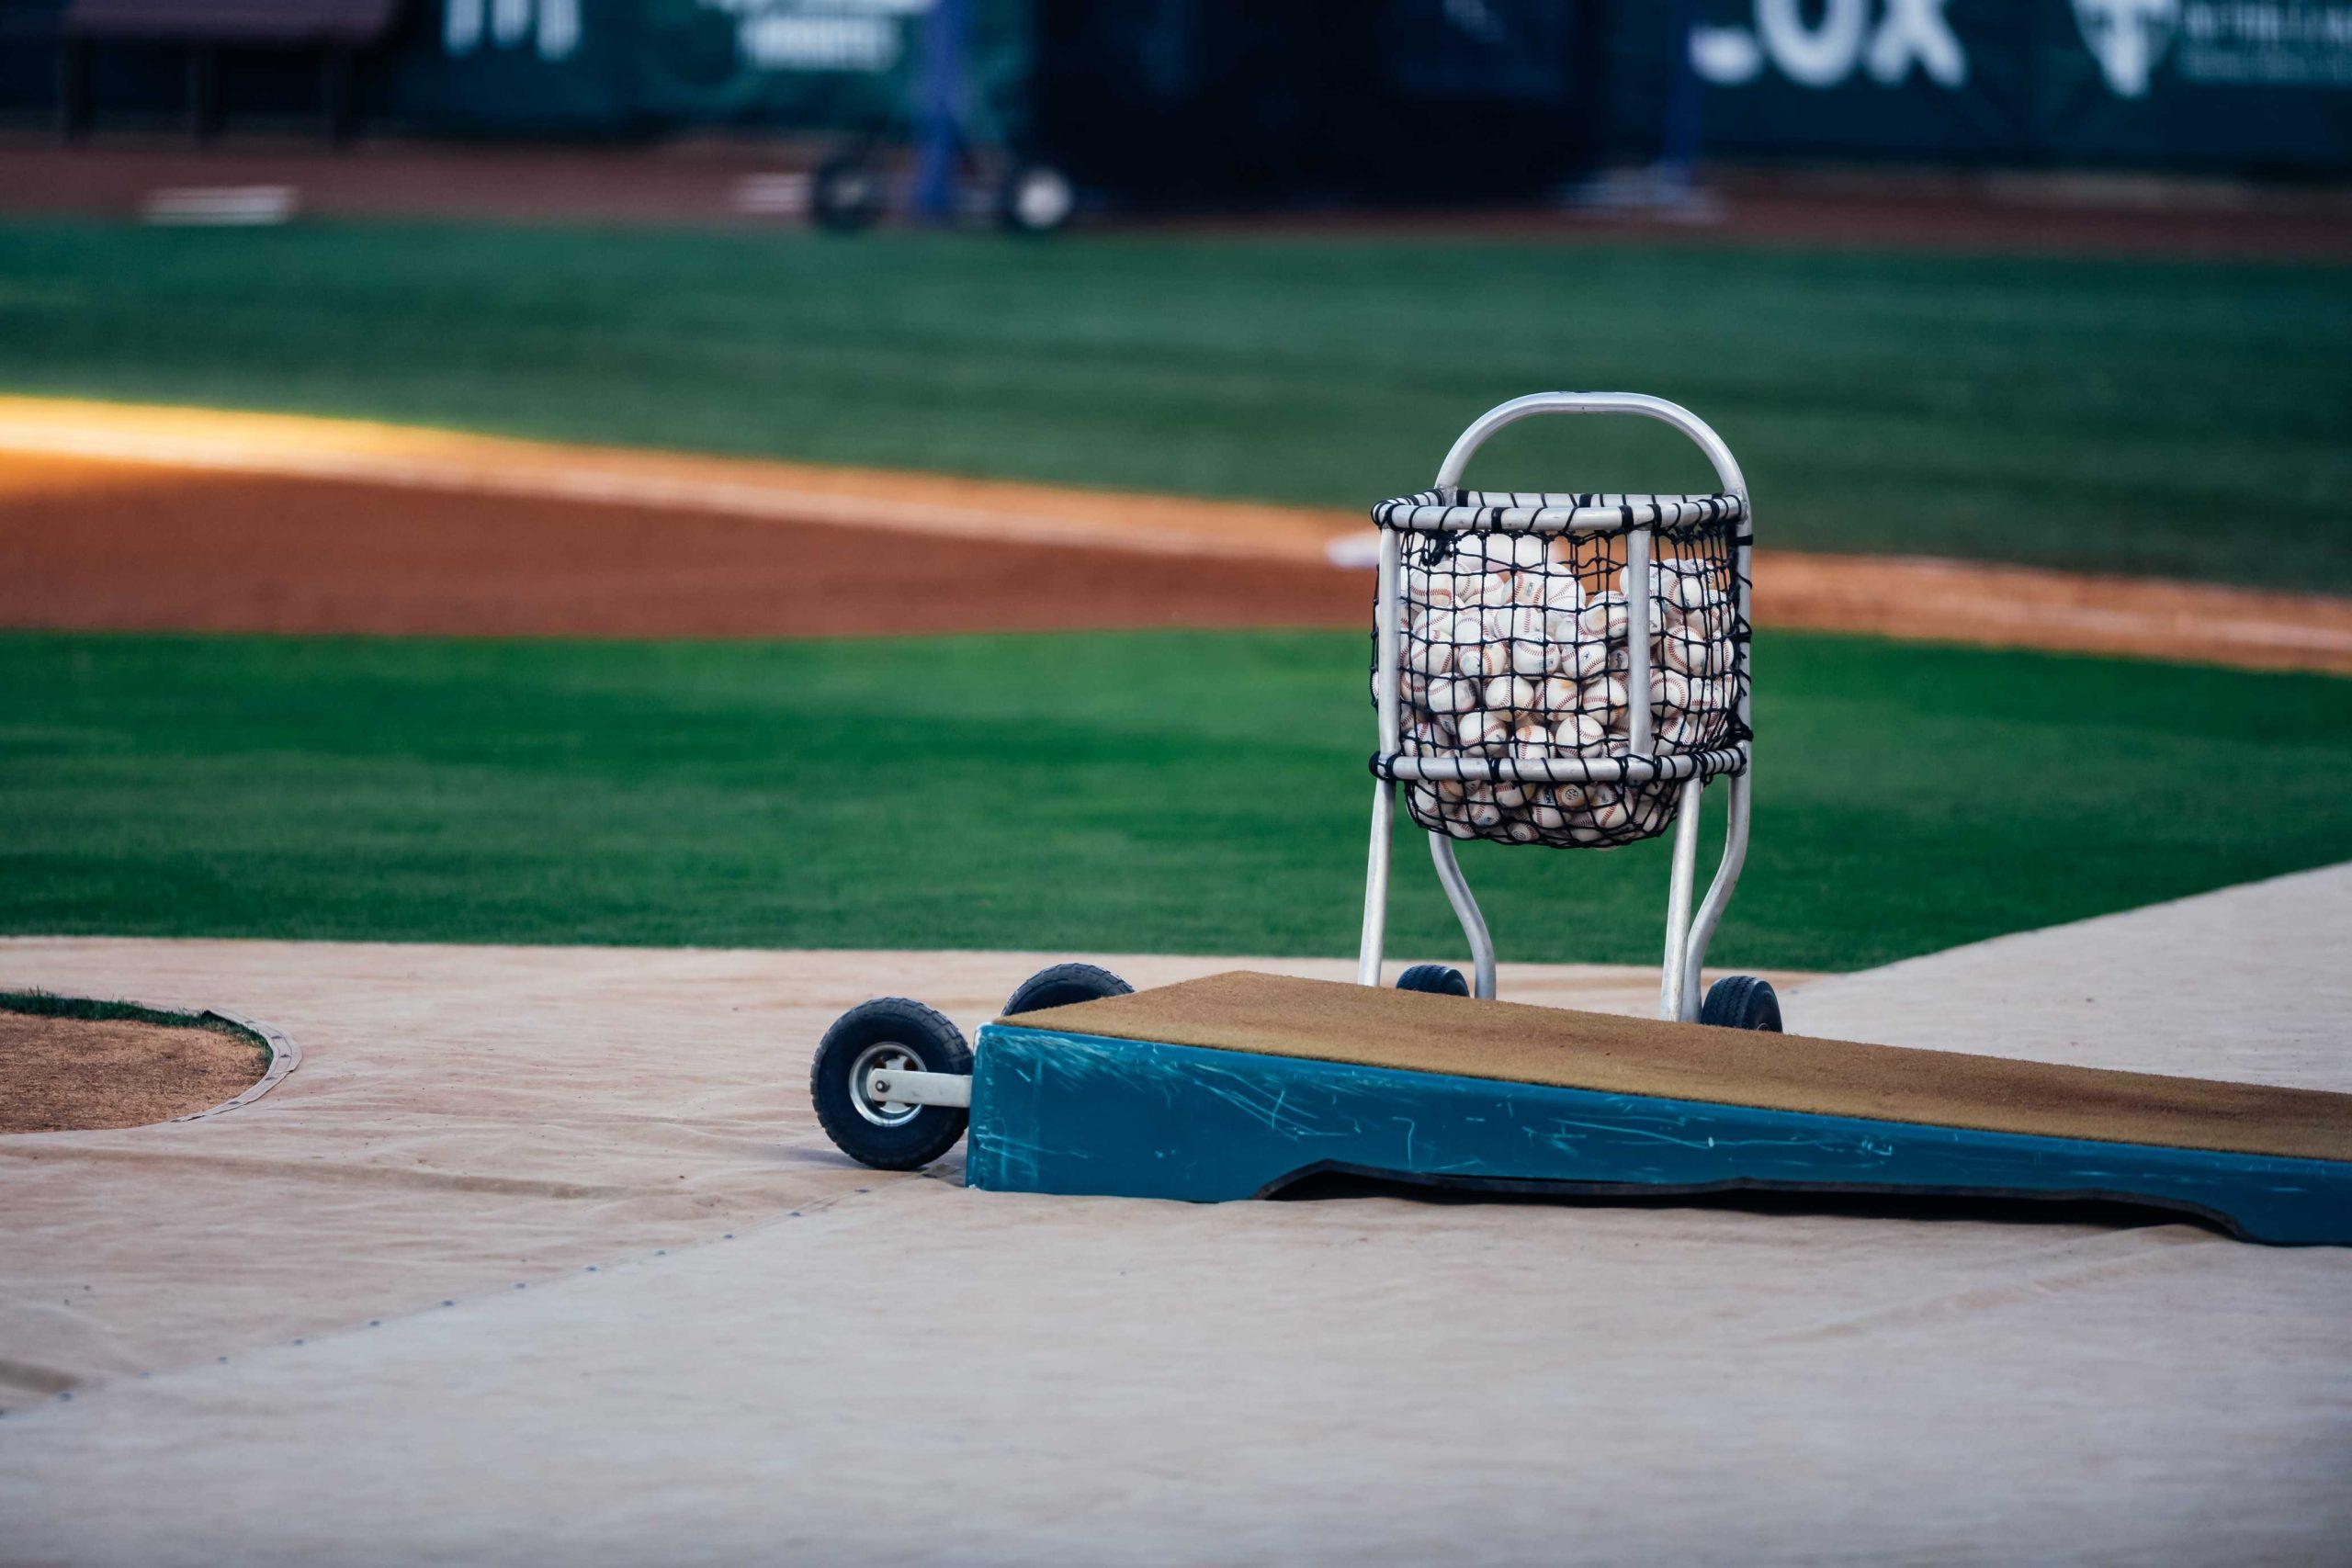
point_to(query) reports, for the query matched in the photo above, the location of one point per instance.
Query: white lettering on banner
(1915, 31)
(819, 43)
(778, 35)
(558, 29)
(1729, 57)
(550, 27)
(1821, 43)
(1909, 34)
(1819, 56)
(2127, 36)
(864, 36)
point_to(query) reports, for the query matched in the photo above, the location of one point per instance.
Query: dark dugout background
(1287, 100)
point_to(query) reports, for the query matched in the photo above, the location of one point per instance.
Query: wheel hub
(882, 1056)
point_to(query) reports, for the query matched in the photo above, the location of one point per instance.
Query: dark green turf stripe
(1168, 791)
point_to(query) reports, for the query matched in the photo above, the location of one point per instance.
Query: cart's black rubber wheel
(1439, 979)
(1063, 984)
(1035, 198)
(890, 1031)
(845, 195)
(1742, 1002)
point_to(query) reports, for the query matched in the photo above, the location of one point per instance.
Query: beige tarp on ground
(895, 1369)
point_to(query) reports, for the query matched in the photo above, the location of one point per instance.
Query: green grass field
(2170, 417)
(1168, 791)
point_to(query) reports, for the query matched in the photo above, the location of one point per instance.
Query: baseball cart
(1567, 669)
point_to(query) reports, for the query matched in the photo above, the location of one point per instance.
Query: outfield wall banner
(628, 66)
(2188, 84)
(2241, 82)
(1420, 97)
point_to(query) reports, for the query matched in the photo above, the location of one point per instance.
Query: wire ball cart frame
(1511, 655)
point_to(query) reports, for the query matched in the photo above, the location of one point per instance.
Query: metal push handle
(1466, 447)
(1686, 937)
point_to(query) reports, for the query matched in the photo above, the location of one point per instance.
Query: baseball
(1487, 660)
(1578, 733)
(1525, 551)
(1484, 730)
(1698, 658)
(1605, 693)
(1508, 693)
(1662, 575)
(1705, 622)
(1531, 653)
(1557, 694)
(1428, 647)
(1489, 590)
(1453, 696)
(1604, 617)
(1584, 658)
(1475, 552)
(1516, 621)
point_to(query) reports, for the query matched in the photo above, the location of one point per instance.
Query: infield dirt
(124, 518)
(69, 1074)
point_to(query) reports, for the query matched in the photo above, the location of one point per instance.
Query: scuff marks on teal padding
(1083, 1114)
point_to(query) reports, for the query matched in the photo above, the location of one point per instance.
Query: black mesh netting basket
(1516, 661)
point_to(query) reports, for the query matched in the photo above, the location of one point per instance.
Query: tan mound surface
(59, 1074)
(1278, 1016)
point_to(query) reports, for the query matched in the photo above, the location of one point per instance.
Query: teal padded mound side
(1236, 1086)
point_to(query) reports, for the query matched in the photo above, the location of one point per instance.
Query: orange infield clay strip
(76, 463)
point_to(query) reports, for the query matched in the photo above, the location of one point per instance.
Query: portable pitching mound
(1239, 1085)
(1567, 669)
